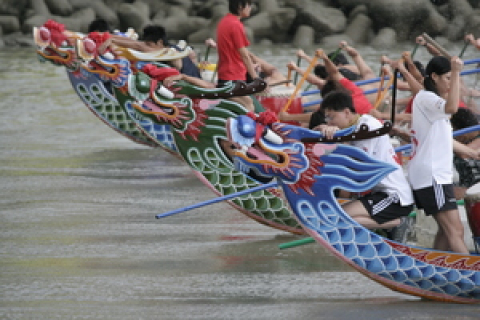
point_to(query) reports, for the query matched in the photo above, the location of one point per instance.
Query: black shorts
(384, 207)
(436, 198)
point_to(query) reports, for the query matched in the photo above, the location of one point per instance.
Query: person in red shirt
(234, 60)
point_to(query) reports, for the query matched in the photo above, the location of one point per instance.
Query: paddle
(279, 83)
(436, 45)
(295, 79)
(218, 199)
(304, 76)
(335, 53)
(381, 90)
(465, 46)
(207, 53)
(414, 50)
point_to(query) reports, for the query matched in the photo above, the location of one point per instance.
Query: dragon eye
(142, 83)
(271, 136)
(246, 126)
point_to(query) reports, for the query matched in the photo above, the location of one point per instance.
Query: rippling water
(79, 238)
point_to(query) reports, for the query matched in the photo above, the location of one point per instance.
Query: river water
(79, 238)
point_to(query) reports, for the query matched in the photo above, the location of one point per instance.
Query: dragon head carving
(56, 45)
(274, 149)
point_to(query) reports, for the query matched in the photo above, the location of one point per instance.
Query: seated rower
(392, 199)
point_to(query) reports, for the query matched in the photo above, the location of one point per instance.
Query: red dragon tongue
(258, 154)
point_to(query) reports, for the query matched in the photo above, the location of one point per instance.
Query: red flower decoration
(56, 32)
(159, 73)
(267, 117)
(99, 37)
(252, 115)
(53, 25)
(263, 119)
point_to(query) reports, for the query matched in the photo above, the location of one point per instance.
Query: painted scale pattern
(105, 106)
(136, 124)
(443, 274)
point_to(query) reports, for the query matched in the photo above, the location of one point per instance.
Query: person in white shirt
(430, 170)
(392, 198)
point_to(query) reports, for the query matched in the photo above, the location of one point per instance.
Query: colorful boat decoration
(193, 119)
(309, 173)
(59, 46)
(196, 117)
(198, 126)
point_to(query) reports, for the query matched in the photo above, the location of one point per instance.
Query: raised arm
(433, 51)
(412, 68)
(129, 43)
(302, 55)
(332, 70)
(365, 71)
(311, 78)
(413, 84)
(451, 106)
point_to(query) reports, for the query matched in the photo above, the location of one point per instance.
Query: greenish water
(79, 238)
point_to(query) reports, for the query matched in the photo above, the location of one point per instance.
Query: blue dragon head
(273, 149)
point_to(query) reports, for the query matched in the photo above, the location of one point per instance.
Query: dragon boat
(196, 119)
(309, 168)
(60, 47)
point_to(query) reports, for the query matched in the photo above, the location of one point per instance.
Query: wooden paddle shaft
(436, 45)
